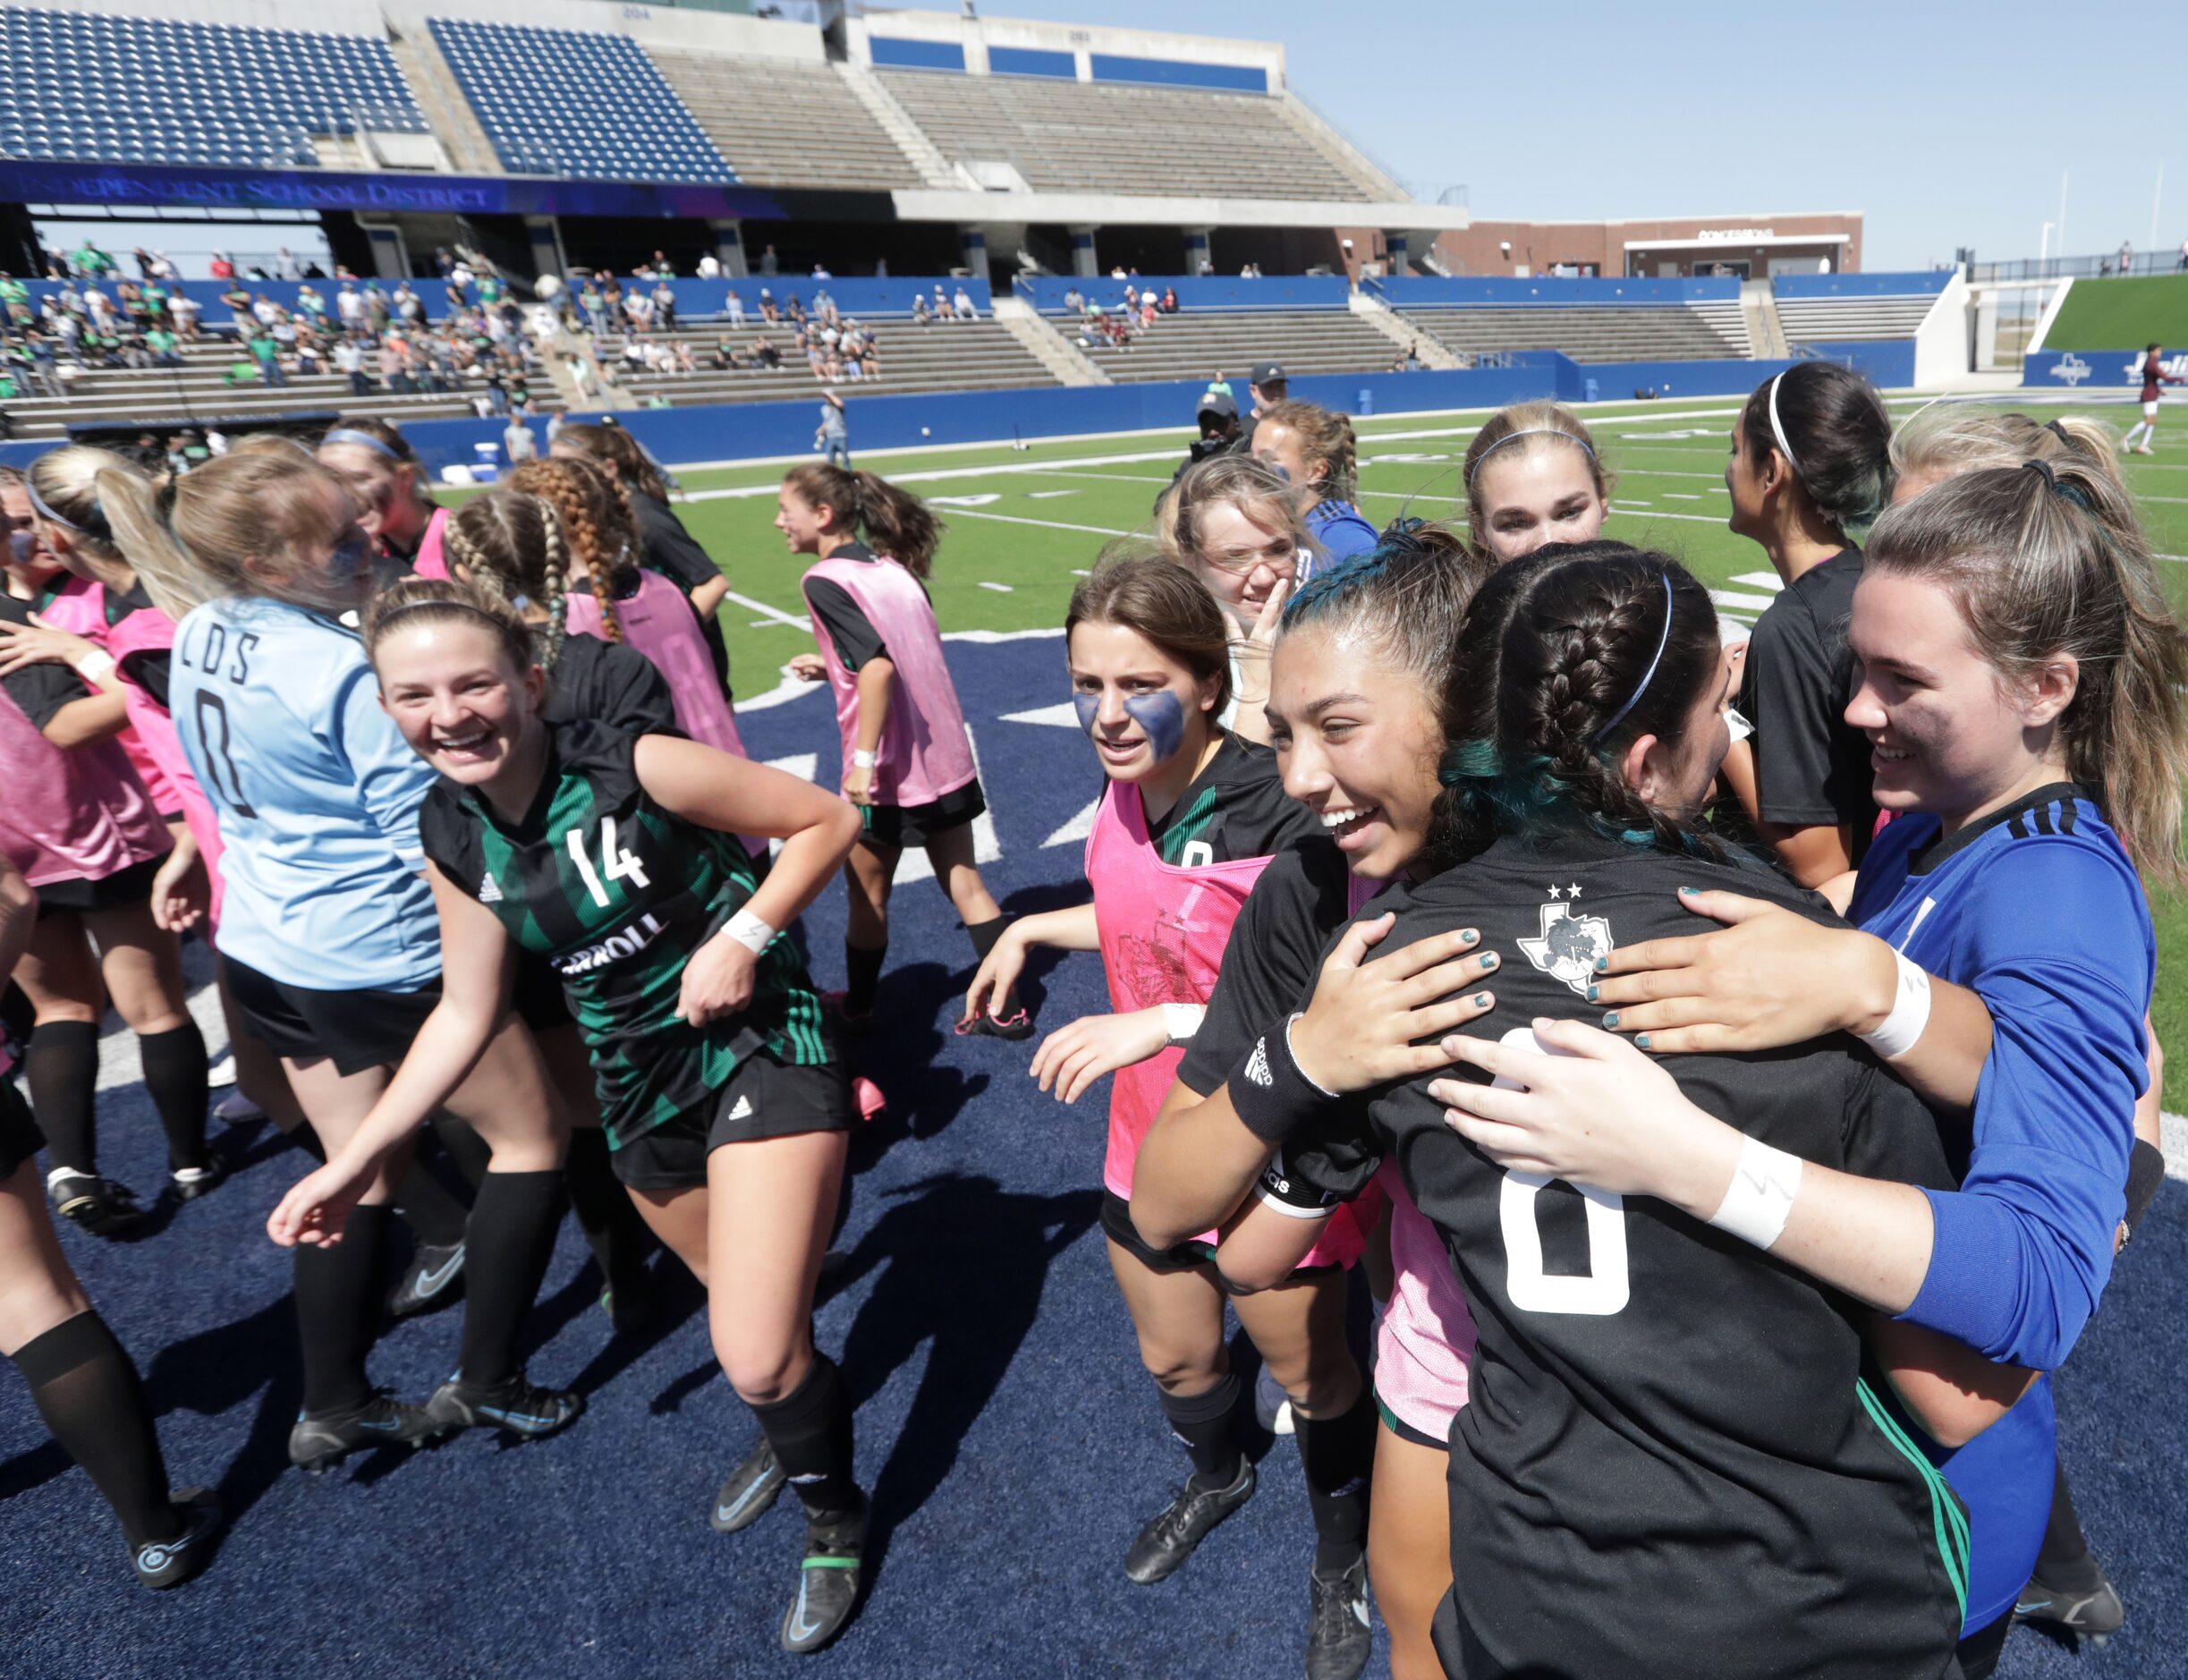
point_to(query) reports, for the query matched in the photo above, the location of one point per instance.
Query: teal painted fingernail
(1610, 1021)
(1642, 1041)
(1481, 1000)
(1689, 892)
(1468, 937)
(1488, 958)
(1603, 965)
(1592, 992)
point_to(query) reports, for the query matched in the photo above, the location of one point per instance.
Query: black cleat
(1339, 1635)
(317, 1444)
(827, 1582)
(187, 1184)
(434, 1279)
(750, 1491)
(518, 1405)
(2095, 1613)
(164, 1563)
(1163, 1545)
(99, 1205)
(1018, 1024)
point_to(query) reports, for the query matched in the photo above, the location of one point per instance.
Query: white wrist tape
(1180, 1022)
(1902, 1028)
(95, 667)
(863, 760)
(748, 931)
(1761, 1195)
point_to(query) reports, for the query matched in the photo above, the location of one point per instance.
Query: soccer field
(1024, 525)
(2122, 314)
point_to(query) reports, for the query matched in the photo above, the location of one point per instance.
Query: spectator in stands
(394, 375)
(265, 311)
(964, 305)
(164, 268)
(943, 311)
(920, 314)
(834, 432)
(350, 305)
(14, 302)
(1408, 361)
(768, 263)
(824, 307)
(1313, 450)
(794, 310)
(519, 441)
(1168, 306)
(821, 271)
(311, 305)
(409, 305)
(765, 354)
(377, 313)
(286, 267)
(665, 306)
(1074, 300)
(881, 268)
(639, 309)
(735, 304)
(183, 310)
(709, 266)
(769, 311)
(2128, 257)
(595, 304)
(159, 347)
(663, 269)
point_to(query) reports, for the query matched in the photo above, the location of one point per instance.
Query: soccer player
(80, 1377)
(1810, 463)
(1651, 1408)
(327, 940)
(2021, 694)
(907, 760)
(1525, 487)
(1234, 522)
(616, 858)
(1192, 817)
(1315, 450)
(379, 467)
(2144, 432)
(1356, 704)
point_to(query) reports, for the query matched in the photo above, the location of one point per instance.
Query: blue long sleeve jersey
(317, 794)
(2038, 910)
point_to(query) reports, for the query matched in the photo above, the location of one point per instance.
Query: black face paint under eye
(21, 546)
(350, 557)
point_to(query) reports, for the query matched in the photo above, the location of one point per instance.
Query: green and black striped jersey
(1235, 809)
(615, 894)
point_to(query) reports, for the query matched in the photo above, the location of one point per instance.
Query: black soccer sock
(613, 1231)
(465, 1148)
(433, 1211)
(509, 1241)
(1205, 1424)
(338, 1310)
(862, 972)
(1338, 1457)
(984, 935)
(2065, 1564)
(88, 1391)
(62, 1069)
(174, 1073)
(306, 1139)
(809, 1428)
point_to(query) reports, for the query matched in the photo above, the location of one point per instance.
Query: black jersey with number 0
(1236, 808)
(616, 894)
(1671, 1462)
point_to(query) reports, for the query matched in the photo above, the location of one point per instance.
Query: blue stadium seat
(147, 90)
(566, 102)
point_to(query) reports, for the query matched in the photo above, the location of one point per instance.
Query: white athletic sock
(2128, 442)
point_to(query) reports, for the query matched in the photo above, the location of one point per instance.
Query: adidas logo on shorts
(1257, 1065)
(489, 891)
(743, 1111)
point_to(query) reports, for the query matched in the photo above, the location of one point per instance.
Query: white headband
(1778, 431)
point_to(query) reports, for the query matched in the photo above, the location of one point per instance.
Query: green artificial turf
(2119, 314)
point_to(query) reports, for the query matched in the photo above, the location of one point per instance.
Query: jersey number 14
(615, 863)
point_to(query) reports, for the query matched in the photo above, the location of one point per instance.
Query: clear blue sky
(1944, 125)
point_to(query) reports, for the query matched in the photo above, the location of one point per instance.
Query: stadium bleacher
(1105, 137)
(1191, 346)
(784, 121)
(152, 90)
(567, 102)
(1840, 309)
(1588, 319)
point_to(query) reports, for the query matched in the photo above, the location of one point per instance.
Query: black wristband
(2145, 1171)
(1271, 1098)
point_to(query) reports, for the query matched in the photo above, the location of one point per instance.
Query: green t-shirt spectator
(263, 349)
(159, 341)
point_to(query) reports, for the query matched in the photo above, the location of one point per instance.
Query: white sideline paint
(774, 613)
(1744, 603)
(1000, 589)
(1064, 714)
(1078, 828)
(1769, 580)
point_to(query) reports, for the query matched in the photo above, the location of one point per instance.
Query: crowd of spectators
(1116, 324)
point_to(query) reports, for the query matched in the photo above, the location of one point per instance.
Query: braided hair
(1568, 656)
(516, 543)
(595, 514)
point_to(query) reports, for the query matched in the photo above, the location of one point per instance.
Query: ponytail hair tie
(2043, 469)
(2059, 431)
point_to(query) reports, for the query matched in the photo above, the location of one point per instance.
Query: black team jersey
(615, 894)
(612, 684)
(1672, 1464)
(1236, 808)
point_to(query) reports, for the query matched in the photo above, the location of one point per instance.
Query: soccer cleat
(432, 1280)
(164, 1564)
(187, 1184)
(99, 1205)
(316, 1444)
(518, 1405)
(867, 1098)
(1161, 1548)
(221, 1074)
(827, 1582)
(1271, 1405)
(1339, 1635)
(750, 1491)
(1014, 1026)
(2095, 1613)
(238, 1110)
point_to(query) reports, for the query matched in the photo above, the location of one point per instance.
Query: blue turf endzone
(1010, 1437)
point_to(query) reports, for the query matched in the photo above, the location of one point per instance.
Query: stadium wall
(2095, 369)
(1862, 285)
(1505, 292)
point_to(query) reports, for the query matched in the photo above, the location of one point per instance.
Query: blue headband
(363, 440)
(1647, 676)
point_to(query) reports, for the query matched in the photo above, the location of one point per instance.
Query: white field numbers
(614, 861)
(1604, 1287)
